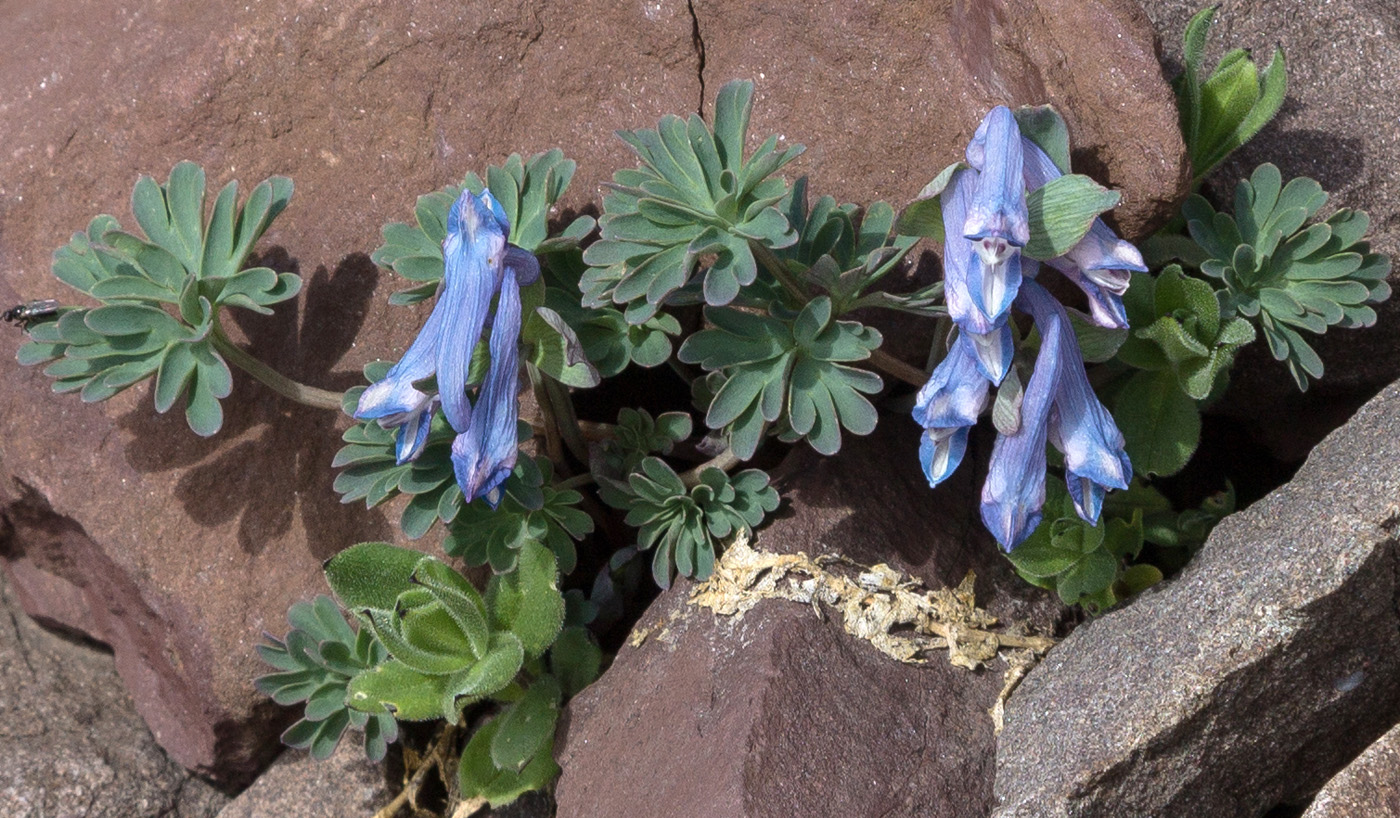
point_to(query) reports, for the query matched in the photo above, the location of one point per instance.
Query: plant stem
(775, 265)
(724, 461)
(435, 760)
(894, 367)
(272, 379)
(574, 482)
(552, 443)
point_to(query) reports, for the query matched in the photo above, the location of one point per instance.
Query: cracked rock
(1246, 681)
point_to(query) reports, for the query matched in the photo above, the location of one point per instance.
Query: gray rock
(782, 713)
(1369, 787)
(346, 785)
(1341, 126)
(71, 744)
(1249, 679)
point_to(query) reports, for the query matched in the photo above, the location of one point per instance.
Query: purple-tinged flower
(984, 276)
(1080, 426)
(946, 406)
(1100, 264)
(478, 265)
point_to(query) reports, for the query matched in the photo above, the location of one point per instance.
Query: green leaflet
(315, 664)
(694, 203)
(684, 524)
(1288, 278)
(791, 375)
(182, 261)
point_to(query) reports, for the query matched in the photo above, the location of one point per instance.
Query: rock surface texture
(343, 786)
(71, 744)
(1338, 126)
(1368, 788)
(782, 713)
(180, 552)
(1248, 680)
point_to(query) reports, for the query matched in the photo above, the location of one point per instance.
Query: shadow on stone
(282, 459)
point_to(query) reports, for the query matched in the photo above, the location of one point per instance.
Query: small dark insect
(30, 312)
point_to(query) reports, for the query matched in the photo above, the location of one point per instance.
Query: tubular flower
(479, 265)
(984, 276)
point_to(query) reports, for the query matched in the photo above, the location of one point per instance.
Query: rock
(781, 712)
(1369, 787)
(346, 785)
(180, 552)
(71, 744)
(885, 95)
(1337, 126)
(1247, 680)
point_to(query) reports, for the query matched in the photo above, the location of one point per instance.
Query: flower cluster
(479, 265)
(985, 275)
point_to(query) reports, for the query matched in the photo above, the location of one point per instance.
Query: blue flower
(479, 265)
(984, 276)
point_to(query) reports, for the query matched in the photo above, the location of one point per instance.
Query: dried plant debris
(894, 613)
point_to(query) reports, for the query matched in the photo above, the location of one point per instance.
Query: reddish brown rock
(782, 713)
(179, 552)
(884, 95)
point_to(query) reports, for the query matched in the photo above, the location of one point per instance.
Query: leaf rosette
(693, 204)
(788, 374)
(1287, 277)
(161, 295)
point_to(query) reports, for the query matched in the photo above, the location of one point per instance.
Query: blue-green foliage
(685, 523)
(694, 204)
(315, 663)
(452, 647)
(788, 373)
(161, 295)
(1285, 276)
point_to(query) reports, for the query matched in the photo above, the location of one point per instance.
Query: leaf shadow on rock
(272, 458)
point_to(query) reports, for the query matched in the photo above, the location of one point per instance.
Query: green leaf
(1044, 126)
(526, 726)
(557, 351)
(1062, 211)
(497, 668)
(924, 216)
(395, 688)
(1160, 424)
(527, 601)
(371, 574)
(575, 659)
(479, 777)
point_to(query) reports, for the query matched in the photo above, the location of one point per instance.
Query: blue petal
(474, 255)
(484, 455)
(413, 434)
(1101, 249)
(1080, 427)
(959, 257)
(995, 352)
(997, 219)
(993, 287)
(940, 452)
(1105, 307)
(524, 264)
(1014, 492)
(1038, 168)
(956, 392)
(395, 395)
